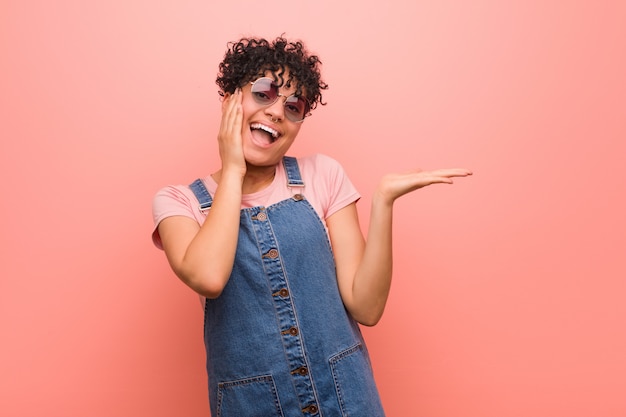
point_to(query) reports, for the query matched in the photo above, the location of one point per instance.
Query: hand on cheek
(230, 133)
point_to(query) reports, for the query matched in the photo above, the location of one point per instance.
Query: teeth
(269, 130)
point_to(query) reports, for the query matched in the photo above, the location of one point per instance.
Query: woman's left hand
(393, 186)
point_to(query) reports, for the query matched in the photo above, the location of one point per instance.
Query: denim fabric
(279, 341)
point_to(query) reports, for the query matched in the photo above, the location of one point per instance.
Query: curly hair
(250, 58)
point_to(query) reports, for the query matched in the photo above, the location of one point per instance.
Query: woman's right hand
(203, 256)
(229, 136)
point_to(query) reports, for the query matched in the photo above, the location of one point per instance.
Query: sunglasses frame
(307, 110)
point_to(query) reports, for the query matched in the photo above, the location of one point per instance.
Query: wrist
(229, 176)
(382, 199)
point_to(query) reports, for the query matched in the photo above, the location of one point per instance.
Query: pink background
(509, 288)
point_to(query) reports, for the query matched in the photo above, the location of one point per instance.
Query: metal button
(292, 331)
(283, 293)
(310, 409)
(298, 197)
(272, 253)
(261, 216)
(303, 371)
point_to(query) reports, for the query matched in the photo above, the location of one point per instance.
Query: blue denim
(279, 341)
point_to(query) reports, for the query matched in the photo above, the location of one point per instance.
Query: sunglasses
(265, 92)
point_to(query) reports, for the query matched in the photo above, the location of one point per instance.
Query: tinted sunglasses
(265, 92)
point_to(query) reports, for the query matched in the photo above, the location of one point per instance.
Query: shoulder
(173, 194)
(175, 200)
(317, 165)
(326, 183)
(317, 159)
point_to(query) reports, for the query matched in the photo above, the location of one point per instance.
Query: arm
(364, 268)
(203, 257)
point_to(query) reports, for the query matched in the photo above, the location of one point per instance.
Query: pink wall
(509, 290)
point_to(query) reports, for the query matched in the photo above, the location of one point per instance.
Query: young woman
(273, 245)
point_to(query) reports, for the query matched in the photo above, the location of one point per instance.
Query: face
(269, 129)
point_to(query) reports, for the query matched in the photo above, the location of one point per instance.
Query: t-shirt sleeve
(339, 191)
(172, 201)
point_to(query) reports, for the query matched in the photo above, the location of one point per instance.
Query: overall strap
(294, 179)
(202, 194)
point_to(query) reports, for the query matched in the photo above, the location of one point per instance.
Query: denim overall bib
(278, 340)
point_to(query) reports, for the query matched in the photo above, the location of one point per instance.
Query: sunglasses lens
(264, 91)
(296, 108)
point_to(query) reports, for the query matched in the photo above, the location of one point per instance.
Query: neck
(256, 178)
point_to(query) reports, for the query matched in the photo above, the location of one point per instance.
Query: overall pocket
(354, 382)
(248, 397)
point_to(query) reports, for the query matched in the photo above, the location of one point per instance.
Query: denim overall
(279, 341)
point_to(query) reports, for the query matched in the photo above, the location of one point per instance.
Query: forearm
(372, 281)
(208, 260)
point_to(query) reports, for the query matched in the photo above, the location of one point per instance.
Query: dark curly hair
(250, 58)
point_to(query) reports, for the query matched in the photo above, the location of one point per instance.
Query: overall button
(261, 215)
(283, 293)
(302, 371)
(272, 253)
(292, 331)
(298, 197)
(312, 409)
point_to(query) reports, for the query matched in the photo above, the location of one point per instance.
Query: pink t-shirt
(326, 187)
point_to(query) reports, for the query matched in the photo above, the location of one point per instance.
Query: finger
(231, 105)
(238, 120)
(451, 172)
(433, 179)
(230, 113)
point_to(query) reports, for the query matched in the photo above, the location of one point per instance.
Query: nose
(276, 110)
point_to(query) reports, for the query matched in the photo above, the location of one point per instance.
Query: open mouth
(260, 131)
